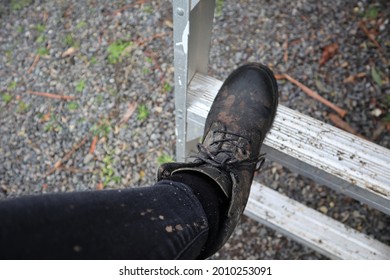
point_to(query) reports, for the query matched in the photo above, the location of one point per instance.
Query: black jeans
(164, 221)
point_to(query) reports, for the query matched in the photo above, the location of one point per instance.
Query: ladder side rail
(192, 21)
(181, 16)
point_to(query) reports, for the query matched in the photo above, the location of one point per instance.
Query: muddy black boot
(240, 116)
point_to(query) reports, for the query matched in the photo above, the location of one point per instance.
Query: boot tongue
(223, 157)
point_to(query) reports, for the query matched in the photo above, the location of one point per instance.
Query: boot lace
(222, 153)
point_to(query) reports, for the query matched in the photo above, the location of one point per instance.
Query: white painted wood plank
(317, 231)
(330, 156)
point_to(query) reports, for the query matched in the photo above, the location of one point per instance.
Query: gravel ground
(120, 53)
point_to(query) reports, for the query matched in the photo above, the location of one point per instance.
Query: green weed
(52, 125)
(93, 60)
(112, 91)
(107, 173)
(22, 107)
(218, 7)
(40, 28)
(80, 86)
(72, 105)
(68, 40)
(143, 112)
(81, 24)
(42, 51)
(81, 120)
(19, 4)
(99, 99)
(12, 85)
(115, 51)
(102, 129)
(149, 60)
(41, 39)
(371, 13)
(148, 9)
(6, 97)
(9, 55)
(164, 158)
(167, 87)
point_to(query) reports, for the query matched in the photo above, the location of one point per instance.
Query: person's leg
(190, 213)
(165, 221)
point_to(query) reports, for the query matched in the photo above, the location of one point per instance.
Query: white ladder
(342, 161)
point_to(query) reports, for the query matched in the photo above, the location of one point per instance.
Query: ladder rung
(316, 230)
(340, 160)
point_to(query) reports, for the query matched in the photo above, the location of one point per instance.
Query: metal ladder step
(317, 231)
(333, 157)
(328, 155)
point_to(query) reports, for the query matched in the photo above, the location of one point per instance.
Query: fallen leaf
(68, 11)
(69, 52)
(58, 164)
(142, 174)
(352, 78)
(45, 16)
(320, 86)
(376, 76)
(328, 52)
(129, 112)
(45, 117)
(99, 186)
(280, 76)
(169, 23)
(370, 35)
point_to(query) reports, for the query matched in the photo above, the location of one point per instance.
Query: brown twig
(36, 59)
(328, 52)
(51, 95)
(285, 46)
(93, 144)
(127, 6)
(77, 170)
(352, 78)
(99, 186)
(149, 39)
(337, 121)
(59, 163)
(129, 112)
(370, 36)
(313, 94)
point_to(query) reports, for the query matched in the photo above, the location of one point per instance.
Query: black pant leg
(164, 221)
